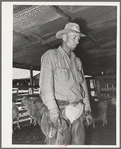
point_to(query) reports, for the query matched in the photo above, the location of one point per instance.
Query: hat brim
(67, 30)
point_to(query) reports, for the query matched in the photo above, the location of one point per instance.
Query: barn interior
(34, 29)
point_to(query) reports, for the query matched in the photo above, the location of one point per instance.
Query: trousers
(75, 133)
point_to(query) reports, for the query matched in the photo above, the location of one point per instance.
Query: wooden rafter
(63, 13)
(25, 66)
(43, 41)
(22, 36)
(68, 17)
(40, 41)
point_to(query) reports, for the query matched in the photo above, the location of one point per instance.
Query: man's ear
(64, 36)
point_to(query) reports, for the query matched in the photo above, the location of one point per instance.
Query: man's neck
(66, 50)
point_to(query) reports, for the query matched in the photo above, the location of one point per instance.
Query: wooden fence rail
(17, 96)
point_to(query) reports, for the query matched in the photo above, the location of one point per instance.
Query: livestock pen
(30, 134)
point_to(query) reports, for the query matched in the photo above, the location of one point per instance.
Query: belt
(65, 102)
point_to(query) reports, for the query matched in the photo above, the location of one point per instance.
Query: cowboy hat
(69, 27)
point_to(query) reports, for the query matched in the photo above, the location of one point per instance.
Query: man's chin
(73, 48)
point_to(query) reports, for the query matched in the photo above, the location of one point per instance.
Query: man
(63, 88)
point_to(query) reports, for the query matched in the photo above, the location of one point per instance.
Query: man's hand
(88, 117)
(55, 117)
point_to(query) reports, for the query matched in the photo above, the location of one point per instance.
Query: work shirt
(62, 78)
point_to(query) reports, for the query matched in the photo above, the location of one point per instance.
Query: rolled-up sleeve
(47, 80)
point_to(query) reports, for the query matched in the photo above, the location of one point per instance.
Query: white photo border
(7, 57)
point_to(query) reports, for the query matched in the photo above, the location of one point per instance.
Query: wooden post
(31, 81)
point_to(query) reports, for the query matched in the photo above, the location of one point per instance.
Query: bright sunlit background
(22, 73)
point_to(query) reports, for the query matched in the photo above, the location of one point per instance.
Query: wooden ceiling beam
(33, 39)
(40, 41)
(22, 36)
(96, 60)
(67, 16)
(102, 51)
(87, 45)
(25, 66)
(19, 65)
(63, 13)
(104, 21)
(106, 55)
(105, 45)
(44, 41)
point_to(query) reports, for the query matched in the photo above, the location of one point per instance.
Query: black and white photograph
(60, 74)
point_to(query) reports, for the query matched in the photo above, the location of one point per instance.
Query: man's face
(72, 40)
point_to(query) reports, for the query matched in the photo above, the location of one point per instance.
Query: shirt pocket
(63, 74)
(80, 76)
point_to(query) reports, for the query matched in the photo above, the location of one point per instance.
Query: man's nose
(77, 41)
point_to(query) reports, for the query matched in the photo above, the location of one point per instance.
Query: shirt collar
(63, 53)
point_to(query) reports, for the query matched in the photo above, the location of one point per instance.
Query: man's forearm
(86, 98)
(46, 82)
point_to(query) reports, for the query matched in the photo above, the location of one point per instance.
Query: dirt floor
(99, 136)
